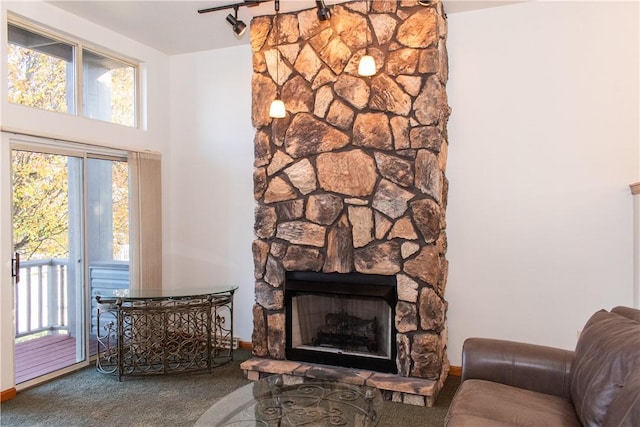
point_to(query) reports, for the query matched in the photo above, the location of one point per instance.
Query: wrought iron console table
(156, 332)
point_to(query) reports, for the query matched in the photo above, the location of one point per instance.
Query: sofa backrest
(631, 313)
(607, 358)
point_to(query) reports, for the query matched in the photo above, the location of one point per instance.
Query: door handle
(15, 267)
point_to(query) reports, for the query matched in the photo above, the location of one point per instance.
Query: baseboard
(7, 394)
(245, 345)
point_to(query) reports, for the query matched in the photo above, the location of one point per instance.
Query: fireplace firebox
(341, 319)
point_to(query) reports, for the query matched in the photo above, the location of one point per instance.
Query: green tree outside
(40, 205)
(36, 79)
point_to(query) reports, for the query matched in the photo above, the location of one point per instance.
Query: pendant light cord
(277, 7)
(366, 46)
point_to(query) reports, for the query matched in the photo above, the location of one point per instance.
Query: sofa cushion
(607, 351)
(625, 408)
(480, 403)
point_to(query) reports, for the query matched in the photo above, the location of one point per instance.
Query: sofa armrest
(532, 367)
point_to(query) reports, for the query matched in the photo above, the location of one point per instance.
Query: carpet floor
(89, 398)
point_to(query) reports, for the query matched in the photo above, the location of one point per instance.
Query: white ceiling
(175, 27)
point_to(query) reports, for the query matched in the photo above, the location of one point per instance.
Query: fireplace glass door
(341, 324)
(341, 320)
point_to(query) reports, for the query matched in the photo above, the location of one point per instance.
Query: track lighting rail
(245, 3)
(324, 12)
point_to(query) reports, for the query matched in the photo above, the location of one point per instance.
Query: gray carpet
(88, 398)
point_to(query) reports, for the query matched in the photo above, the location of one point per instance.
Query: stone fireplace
(353, 181)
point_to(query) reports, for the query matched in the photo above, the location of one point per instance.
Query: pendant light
(277, 110)
(367, 65)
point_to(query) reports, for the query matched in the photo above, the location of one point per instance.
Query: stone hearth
(412, 391)
(353, 179)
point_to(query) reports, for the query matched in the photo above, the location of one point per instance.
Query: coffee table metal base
(287, 401)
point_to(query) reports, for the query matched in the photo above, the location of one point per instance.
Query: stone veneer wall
(353, 178)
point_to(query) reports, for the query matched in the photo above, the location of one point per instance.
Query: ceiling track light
(324, 13)
(239, 27)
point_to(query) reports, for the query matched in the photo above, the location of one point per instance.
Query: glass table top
(158, 293)
(289, 401)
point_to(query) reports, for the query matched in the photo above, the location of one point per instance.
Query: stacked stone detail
(353, 179)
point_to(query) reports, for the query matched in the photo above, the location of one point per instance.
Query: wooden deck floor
(40, 356)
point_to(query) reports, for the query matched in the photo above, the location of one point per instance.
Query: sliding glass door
(47, 238)
(70, 232)
(107, 232)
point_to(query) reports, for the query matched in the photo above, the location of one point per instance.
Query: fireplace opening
(341, 319)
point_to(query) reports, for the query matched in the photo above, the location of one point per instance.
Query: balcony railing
(41, 297)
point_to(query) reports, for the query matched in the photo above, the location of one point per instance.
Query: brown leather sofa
(506, 383)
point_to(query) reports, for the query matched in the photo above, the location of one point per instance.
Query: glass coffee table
(293, 401)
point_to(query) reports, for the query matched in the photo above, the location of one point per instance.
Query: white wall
(544, 141)
(154, 135)
(211, 183)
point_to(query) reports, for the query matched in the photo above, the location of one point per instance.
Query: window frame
(80, 46)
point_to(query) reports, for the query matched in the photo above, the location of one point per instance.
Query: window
(43, 73)
(40, 71)
(108, 89)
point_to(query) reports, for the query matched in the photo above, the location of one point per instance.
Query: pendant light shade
(277, 110)
(367, 66)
